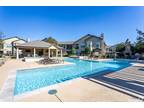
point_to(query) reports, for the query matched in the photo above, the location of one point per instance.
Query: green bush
(73, 56)
(139, 48)
(102, 56)
(87, 51)
(73, 52)
(65, 55)
(13, 57)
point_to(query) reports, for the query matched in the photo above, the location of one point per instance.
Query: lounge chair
(51, 61)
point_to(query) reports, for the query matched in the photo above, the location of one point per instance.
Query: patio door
(40, 52)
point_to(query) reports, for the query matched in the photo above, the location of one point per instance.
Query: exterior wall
(7, 46)
(112, 51)
(67, 47)
(103, 47)
(97, 44)
(81, 44)
(16, 43)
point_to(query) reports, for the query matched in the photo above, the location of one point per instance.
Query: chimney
(102, 35)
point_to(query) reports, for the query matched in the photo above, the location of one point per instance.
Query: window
(8, 45)
(69, 46)
(77, 46)
(82, 46)
(98, 45)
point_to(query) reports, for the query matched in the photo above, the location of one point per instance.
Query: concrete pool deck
(8, 75)
(80, 89)
(12, 65)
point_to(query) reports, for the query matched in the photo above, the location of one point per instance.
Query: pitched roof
(14, 37)
(66, 42)
(87, 36)
(36, 44)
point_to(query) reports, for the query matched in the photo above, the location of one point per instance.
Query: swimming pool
(32, 79)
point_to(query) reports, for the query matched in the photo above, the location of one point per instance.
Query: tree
(133, 49)
(140, 37)
(51, 40)
(87, 51)
(139, 47)
(1, 40)
(120, 48)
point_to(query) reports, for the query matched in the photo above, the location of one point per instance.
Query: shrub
(13, 57)
(73, 52)
(87, 51)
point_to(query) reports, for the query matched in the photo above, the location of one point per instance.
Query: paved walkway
(130, 79)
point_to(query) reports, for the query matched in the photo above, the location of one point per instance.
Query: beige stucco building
(9, 43)
(95, 43)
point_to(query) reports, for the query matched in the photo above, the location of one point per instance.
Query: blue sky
(70, 23)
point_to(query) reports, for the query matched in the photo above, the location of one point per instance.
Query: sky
(71, 23)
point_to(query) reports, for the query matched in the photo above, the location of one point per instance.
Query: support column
(61, 53)
(91, 48)
(56, 53)
(34, 52)
(49, 53)
(17, 53)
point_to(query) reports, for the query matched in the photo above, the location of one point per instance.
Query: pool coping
(5, 89)
(6, 93)
(42, 89)
(104, 60)
(30, 93)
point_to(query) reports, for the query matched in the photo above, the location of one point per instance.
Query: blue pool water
(32, 79)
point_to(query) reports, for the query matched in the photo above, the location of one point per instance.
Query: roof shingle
(36, 44)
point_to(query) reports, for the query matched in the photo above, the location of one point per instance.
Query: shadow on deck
(130, 79)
